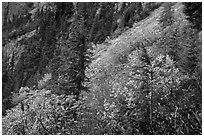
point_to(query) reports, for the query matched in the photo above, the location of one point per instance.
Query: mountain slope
(112, 61)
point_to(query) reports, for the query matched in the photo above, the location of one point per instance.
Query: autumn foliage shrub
(44, 113)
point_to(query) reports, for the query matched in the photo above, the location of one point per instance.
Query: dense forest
(101, 68)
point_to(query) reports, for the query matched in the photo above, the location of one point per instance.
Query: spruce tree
(73, 69)
(194, 12)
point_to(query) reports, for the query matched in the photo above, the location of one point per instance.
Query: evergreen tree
(73, 69)
(194, 12)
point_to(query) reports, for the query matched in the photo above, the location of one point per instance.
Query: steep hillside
(102, 68)
(114, 59)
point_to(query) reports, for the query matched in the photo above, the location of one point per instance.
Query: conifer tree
(194, 12)
(73, 70)
(146, 87)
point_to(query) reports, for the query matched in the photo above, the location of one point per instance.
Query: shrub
(43, 113)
